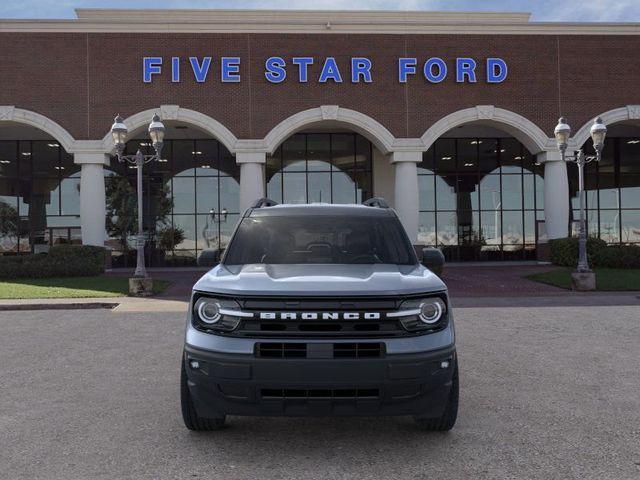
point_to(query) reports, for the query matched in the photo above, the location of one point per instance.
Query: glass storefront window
(39, 196)
(480, 198)
(612, 188)
(199, 181)
(321, 167)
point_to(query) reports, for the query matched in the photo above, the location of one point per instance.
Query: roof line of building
(311, 21)
(276, 16)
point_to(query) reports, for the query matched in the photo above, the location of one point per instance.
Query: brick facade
(80, 80)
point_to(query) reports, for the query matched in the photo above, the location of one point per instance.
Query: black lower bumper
(232, 384)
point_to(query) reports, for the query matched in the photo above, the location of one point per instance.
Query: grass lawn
(607, 279)
(71, 287)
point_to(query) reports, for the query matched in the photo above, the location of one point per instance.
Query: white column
(92, 197)
(406, 190)
(556, 194)
(384, 174)
(251, 177)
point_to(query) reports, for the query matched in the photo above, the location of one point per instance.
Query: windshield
(298, 239)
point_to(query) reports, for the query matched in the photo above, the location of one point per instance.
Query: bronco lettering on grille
(319, 316)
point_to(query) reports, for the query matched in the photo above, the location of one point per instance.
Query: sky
(542, 10)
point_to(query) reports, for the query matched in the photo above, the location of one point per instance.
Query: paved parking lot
(546, 393)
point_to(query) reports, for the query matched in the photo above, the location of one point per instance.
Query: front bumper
(243, 384)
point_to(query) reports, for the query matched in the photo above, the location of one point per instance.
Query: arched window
(194, 190)
(321, 167)
(39, 196)
(480, 198)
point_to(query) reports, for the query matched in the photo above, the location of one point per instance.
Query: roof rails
(377, 202)
(264, 202)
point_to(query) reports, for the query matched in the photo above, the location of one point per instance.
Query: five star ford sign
(305, 69)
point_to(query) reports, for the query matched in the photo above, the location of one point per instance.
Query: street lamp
(598, 133)
(119, 133)
(210, 231)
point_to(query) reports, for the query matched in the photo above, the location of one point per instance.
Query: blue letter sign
(360, 67)
(428, 70)
(275, 69)
(406, 66)
(496, 70)
(330, 71)
(303, 66)
(465, 67)
(200, 71)
(151, 66)
(230, 69)
(434, 69)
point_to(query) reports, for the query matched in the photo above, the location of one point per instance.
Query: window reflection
(612, 191)
(320, 167)
(477, 201)
(39, 196)
(200, 180)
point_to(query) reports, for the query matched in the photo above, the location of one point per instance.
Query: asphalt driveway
(546, 393)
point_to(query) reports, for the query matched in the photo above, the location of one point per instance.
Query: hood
(319, 280)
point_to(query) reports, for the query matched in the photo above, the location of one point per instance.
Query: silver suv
(320, 310)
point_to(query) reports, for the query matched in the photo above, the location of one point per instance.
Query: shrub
(564, 251)
(618, 256)
(169, 237)
(61, 261)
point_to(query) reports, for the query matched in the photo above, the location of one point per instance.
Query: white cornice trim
(302, 21)
(297, 16)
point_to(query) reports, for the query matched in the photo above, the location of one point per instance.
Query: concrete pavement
(548, 392)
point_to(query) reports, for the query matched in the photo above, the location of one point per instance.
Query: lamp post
(119, 133)
(562, 133)
(211, 231)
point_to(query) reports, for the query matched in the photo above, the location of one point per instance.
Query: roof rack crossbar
(377, 202)
(263, 202)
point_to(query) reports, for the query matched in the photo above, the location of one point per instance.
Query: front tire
(448, 418)
(189, 415)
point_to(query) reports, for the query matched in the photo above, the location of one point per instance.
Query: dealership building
(448, 116)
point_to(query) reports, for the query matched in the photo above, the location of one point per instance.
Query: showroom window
(194, 191)
(39, 196)
(612, 192)
(480, 199)
(321, 167)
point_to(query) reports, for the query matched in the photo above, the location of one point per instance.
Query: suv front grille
(281, 350)
(325, 393)
(358, 328)
(318, 317)
(319, 350)
(343, 328)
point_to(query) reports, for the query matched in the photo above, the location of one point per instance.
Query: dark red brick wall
(82, 80)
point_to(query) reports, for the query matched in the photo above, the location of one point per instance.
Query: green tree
(9, 221)
(122, 209)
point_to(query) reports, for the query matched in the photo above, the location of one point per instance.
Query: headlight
(211, 313)
(431, 310)
(422, 314)
(208, 310)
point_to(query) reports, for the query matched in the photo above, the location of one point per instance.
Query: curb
(57, 306)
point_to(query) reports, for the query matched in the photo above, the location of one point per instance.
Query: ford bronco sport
(319, 310)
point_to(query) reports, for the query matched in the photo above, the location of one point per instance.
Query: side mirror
(209, 258)
(433, 259)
